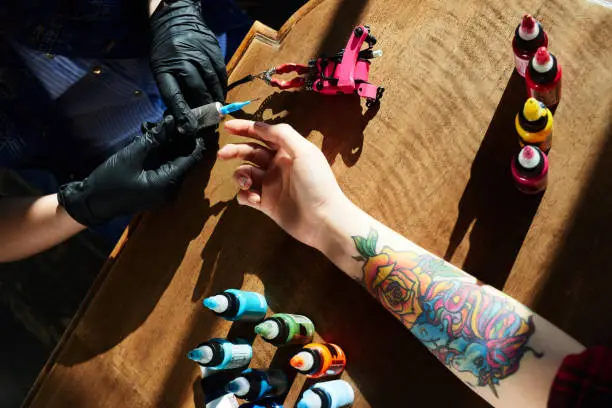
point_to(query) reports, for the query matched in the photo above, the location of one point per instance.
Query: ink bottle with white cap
(253, 385)
(318, 360)
(329, 394)
(234, 304)
(528, 37)
(267, 403)
(284, 328)
(530, 170)
(543, 78)
(221, 354)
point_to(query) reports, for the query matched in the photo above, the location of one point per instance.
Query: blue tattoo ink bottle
(233, 304)
(262, 404)
(221, 354)
(253, 385)
(329, 394)
(224, 401)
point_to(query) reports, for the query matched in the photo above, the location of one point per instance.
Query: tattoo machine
(345, 73)
(212, 113)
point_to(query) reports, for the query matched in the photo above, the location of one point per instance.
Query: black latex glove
(137, 178)
(186, 60)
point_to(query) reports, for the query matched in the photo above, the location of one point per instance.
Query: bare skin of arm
(29, 225)
(153, 4)
(503, 351)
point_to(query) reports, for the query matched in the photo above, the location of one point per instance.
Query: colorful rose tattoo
(467, 326)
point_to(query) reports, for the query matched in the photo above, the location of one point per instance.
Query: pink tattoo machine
(345, 73)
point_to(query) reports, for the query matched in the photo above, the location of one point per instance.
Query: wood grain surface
(432, 161)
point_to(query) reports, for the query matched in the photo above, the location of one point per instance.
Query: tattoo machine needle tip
(233, 107)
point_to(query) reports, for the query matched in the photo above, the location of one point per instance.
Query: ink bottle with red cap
(530, 170)
(543, 78)
(528, 37)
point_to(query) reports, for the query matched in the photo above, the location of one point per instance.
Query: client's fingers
(281, 135)
(252, 152)
(249, 198)
(249, 177)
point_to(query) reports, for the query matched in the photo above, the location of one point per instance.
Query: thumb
(172, 173)
(163, 131)
(250, 198)
(134, 154)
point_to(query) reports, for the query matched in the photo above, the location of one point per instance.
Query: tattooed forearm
(469, 327)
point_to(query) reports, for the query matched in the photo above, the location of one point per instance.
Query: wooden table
(432, 162)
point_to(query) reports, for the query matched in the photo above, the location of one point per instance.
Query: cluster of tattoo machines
(224, 363)
(534, 123)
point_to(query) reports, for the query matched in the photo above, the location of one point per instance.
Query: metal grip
(208, 115)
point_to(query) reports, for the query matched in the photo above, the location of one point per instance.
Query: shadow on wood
(576, 294)
(500, 213)
(280, 361)
(241, 332)
(341, 119)
(272, 13)
(213, 386)
(182, 371)
(76, 394)
(346, 18)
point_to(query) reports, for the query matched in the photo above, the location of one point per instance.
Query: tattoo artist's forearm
(29, 225)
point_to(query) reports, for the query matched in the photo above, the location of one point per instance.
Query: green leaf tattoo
(366, 246)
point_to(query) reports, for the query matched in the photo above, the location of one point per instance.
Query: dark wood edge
(258, 30)
(91, 293)
(268, 35)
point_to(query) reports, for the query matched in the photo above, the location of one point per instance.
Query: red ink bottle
(543, 78)
(530, 170)
(528, 37)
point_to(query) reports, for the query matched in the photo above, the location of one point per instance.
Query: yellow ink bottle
(534, 125)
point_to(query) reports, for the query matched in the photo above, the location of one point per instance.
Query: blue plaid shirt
(75, 83)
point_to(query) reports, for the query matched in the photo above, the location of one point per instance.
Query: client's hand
(286, 177)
